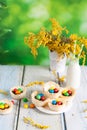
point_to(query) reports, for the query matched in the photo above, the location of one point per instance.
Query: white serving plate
(48, 111)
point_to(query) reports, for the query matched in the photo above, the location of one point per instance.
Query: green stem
(80, 51)
(74, 49)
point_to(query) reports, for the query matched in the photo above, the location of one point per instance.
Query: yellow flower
(55, 41)
(73, 37)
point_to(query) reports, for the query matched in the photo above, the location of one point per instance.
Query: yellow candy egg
(64, 91)
(57, 100)
(25, 105)
(52, 87)
(1, 106)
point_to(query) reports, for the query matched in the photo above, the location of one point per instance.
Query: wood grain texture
(75, 117)
(9, 76)
(33, 73)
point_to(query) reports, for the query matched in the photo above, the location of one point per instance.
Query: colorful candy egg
(6, 106)
(25, 100)
(53, 90)
(43, 98)
(54, 102)
(67, 92)
(59, 103)
(39, 99)
(40, 96)
(32, 105)
(18, 92)
(25, 105)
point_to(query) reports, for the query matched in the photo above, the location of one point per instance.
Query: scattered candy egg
(25, 105)
(25, 100)
(32, 105)
(12, 101)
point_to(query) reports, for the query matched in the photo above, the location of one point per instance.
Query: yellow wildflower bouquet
(56, 41)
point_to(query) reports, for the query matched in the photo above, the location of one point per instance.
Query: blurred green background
(18, 17)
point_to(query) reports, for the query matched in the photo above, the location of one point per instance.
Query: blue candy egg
(51, 91)
(54, 102)
(41, 94)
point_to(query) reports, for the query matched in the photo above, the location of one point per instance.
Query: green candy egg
(1, 103)
(38, 97)
(66, 94)
(25, 100)
(20, 89)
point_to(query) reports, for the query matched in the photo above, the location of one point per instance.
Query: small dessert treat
(5, 106)
(25, 100)
(18, 92)
(25, 105)
(13, 102)
(39, 99)
(51, 89)
(57, 104)
(31, 105)
(68, 93)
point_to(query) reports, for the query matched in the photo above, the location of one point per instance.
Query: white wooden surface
(54, 121)
(11, 76)
(75, 118)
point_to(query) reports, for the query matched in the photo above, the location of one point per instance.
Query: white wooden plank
(54, 121)
(75, 117)
(9, 76)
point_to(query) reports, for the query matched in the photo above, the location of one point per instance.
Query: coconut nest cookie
(6, 106)
(57, 104)
(18, 92)
(68, 93)
(51, 90)
(39, 99)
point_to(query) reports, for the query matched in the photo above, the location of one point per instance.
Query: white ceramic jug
(58, 64)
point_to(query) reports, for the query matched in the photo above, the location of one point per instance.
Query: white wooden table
(74, 119)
